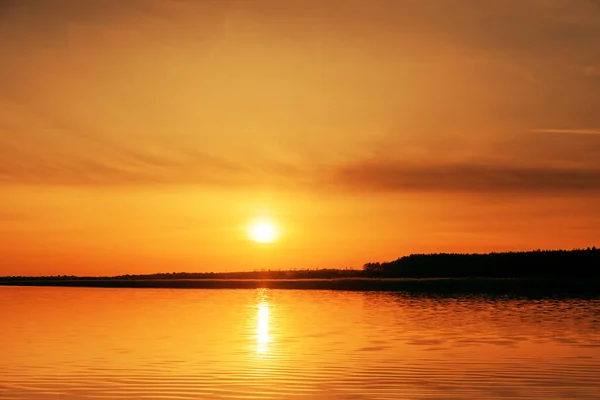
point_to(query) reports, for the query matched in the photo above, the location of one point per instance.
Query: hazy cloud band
(400, 177)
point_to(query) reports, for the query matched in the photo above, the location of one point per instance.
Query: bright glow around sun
(263, 232)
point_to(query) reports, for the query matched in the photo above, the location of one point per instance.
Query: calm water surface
(77, 343)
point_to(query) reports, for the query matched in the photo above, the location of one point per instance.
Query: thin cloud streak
(138, 170)
(122, 165)
(569, 131)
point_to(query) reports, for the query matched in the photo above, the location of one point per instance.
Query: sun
(263, 232)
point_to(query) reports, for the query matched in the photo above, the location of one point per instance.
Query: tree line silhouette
(320, 273)
(578, 263)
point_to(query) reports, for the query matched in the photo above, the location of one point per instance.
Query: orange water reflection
(77, 343)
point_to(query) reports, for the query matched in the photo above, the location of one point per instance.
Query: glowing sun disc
(263, 232)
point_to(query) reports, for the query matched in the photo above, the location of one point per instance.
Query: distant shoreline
(552, 272)
(430, 285)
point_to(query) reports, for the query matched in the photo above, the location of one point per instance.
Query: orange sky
(144, 136)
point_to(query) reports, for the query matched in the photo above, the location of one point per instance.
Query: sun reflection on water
(262, 328)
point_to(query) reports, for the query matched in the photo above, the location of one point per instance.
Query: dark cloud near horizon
(389, 176)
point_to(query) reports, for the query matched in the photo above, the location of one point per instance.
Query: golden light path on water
(262, 328)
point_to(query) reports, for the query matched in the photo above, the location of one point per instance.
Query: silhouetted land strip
(535, 272)
(426, 285)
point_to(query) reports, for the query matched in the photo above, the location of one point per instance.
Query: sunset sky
(146, 136)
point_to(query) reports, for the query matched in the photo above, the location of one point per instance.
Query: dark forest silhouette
(531, 264)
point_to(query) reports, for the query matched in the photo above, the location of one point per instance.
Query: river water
(79, 343)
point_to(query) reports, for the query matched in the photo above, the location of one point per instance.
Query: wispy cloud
(120, 164)
(135, 169)
(391, 176)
